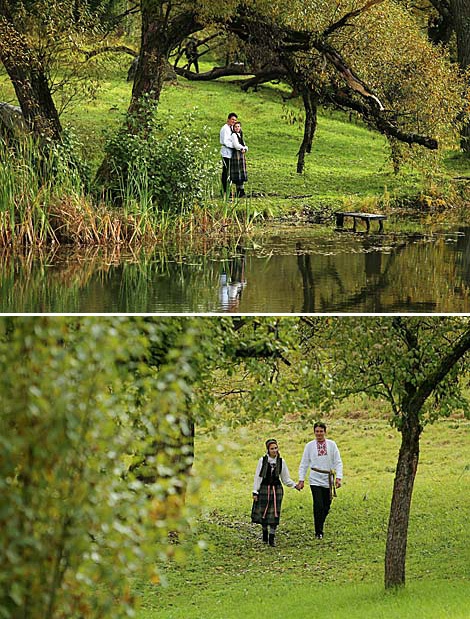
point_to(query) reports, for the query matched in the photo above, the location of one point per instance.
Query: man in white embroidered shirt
(227, 148)
(321, 456)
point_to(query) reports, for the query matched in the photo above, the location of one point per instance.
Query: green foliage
(392, 359)
(167, 170)
(67, 162)
(75, 526)
(96, 436)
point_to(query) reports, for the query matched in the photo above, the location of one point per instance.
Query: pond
(288, 270)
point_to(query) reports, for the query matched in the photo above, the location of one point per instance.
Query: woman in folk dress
(238, 172)
(268, 492)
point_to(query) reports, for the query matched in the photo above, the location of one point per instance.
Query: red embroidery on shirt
(321, 449)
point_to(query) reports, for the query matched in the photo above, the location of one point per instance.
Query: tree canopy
(97, 432)
(371, 58)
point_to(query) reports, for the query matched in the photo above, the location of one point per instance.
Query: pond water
(289, 270)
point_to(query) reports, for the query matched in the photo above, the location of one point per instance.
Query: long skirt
(238, 172)
(267, 509)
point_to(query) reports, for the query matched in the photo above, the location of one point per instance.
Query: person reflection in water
(232, 284)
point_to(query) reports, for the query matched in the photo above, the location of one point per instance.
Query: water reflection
(232, 281)
(290, 270)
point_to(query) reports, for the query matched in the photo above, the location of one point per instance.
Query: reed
(43, 203)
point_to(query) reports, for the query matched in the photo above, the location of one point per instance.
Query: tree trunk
(161, 33)
(310, 127)
(152, 61)
(461, 17)
(30, 83)
(397, 535)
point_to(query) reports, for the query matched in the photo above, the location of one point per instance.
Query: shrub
(158, 167)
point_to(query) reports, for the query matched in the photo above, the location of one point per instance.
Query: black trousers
(225, 172)
(321, 506)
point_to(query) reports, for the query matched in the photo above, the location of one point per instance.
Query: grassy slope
(348, 164)
(345, 570)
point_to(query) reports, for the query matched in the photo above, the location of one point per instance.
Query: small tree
(417, 366)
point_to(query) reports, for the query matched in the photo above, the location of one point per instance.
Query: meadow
(349, 166)
(222, 569)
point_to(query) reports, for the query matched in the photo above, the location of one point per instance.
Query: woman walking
(268, 492)
(238, 172)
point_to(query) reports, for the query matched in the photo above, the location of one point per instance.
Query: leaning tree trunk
(161, 33)
(461, 17)
(29, 81)
(310, 127)
(397, 535)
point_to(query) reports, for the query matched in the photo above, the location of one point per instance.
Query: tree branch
(109, 49)
(266, 75)
(382, 124)
(213, 74)
(424, 390)
(345, 19)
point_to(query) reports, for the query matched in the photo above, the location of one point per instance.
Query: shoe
(265, 536)
(271, 540)
(319, 535)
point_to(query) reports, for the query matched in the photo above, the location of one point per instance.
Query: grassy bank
(349, 167)
(237, 576)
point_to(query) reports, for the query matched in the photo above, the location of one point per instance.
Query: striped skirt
(238, 173)
(267, 509)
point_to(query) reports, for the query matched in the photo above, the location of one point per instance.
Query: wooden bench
(367, 217)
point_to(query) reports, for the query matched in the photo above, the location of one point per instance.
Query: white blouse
(285, 476)
(236, 143)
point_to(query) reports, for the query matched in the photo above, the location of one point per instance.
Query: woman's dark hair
(320, 424)
(269, 442)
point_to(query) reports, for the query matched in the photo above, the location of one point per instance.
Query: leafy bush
(66, 162)
(159, 167)
(76, 525)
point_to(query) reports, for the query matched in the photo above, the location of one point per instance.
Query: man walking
(227, 148)
(321, 456)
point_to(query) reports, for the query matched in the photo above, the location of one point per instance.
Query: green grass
(297, 598)
(237, 576)
(348, 166)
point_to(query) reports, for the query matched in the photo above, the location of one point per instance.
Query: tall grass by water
(42, 203)
(341, 576)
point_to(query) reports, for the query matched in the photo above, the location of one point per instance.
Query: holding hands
(299, 486)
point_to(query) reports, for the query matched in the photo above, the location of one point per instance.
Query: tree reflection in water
(288, 271)
(379, 270)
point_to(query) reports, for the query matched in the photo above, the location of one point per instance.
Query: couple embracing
(321, 456)
(233, 155)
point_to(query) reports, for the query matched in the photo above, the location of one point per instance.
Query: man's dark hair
(232, 115)
(320, 424)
